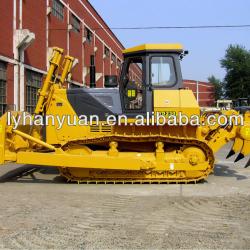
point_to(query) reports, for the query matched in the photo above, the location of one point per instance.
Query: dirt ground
(40, 211)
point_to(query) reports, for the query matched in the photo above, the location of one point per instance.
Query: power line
(184, 27)
(169, 27)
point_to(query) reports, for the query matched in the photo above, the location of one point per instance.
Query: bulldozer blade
(238, 144)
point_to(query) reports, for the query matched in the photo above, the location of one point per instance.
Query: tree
(218, 87)
(237, 65)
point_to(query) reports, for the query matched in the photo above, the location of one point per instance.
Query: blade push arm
(52, 77)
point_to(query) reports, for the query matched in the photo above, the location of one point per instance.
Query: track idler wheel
(195, 155)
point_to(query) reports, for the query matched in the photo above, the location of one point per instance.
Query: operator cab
(147, 68)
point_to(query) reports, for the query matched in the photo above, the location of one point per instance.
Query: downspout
(21, 60)
(21, 72)
(197, 91)
(83, 66)
(68, 33)
(83, 53)
(16, 57)
(68, 29)
(47, 35)
(110, 61)
(103, 67)
(20, 14)
(22, 39)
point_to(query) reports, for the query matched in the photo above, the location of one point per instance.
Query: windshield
(162, 71)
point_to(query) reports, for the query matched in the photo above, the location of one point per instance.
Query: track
(211, 215)
(139, 177)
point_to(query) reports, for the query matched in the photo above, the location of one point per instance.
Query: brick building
(204, 92)
(28, 30)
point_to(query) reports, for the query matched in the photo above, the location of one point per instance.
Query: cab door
(133, 87)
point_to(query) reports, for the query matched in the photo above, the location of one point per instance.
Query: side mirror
(111, 82)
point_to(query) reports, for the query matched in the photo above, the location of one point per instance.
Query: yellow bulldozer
(95, 151)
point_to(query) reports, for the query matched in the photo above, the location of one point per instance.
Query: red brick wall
(206, 91)
(91, 20)
(6, 43)
(58, 31)
(75, 50)
(35, 21)
(10, 84)
(99, 61)
(34, 17)
(107, 67)
(6, 28)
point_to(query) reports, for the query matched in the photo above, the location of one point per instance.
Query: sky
(206, 46)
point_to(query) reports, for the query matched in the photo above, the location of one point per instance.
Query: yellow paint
(158, 47)
(122, 161)
(104, 153)
(172, 102)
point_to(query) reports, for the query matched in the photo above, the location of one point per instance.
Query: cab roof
(167, 47)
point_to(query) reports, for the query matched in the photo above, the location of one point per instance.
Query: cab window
(162, 71)
(133, 90)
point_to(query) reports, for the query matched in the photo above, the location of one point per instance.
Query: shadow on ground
(225, 171)
(29, 173)
(38, 174)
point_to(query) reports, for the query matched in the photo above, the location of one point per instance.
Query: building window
(106, 51)
(76, 23)
(119, 63)
(3, 83)
(113, 57)
(89, 35)
(33, 84)
(58, 9)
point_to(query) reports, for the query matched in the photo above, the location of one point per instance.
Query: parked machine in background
(242, 105)
(224, 104)
(219, 106)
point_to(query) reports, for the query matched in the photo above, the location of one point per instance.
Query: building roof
(155, 47)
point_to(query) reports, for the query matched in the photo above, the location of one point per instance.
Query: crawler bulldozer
(150, 82)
